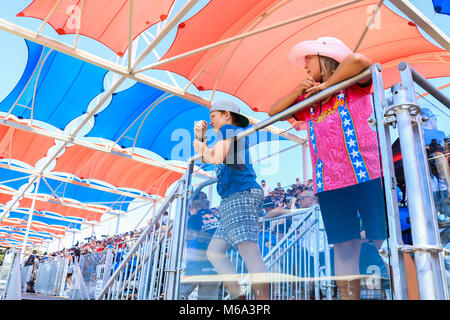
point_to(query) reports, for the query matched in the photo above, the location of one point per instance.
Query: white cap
(229, 105)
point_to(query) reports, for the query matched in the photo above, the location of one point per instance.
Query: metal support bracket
(420, 248)
(400, 101)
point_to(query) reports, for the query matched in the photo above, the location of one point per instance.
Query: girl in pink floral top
(344, 152)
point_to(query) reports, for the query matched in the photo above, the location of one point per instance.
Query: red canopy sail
(103, 20)
(257, 70)
(116, 170)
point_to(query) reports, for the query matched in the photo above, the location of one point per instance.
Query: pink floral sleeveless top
(343, 147)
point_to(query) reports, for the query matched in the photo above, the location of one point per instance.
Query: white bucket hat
(323, 46)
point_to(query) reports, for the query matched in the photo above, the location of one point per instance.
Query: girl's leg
(216, 254)
(412, 285)
(346, 262)
(250, 253)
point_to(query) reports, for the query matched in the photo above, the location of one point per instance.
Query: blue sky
(285, 168)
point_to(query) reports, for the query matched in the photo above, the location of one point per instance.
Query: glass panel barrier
(139, 268)
(94, 268)
(294, 247)
(25, 276)
(5, 270)
(323, 240)
(51, 277)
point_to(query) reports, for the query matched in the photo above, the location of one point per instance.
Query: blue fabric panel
(47, 220)
(167, 129)
(442, 6)
(65, 87)
(32, 233)
(84, 194)
(6, 175)
(34, 54)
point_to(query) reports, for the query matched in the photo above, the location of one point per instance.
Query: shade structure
(13, 240)
(17, 232)
(116, 170)
(4, 198)
(157, 121)
(257, 69)
(12, 179)
(65, 211)
(55, 88)
(24, 146)
(149, 120)
(58, 189)
(32, 234)
(46, 219)
(44, 203)
(35, 226)
(19, 235)
(103, 20)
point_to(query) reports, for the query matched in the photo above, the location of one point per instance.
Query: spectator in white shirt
(266, 188)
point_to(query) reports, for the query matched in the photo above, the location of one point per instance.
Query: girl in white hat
(344, 152)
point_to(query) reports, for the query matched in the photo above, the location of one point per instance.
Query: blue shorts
(340, 208)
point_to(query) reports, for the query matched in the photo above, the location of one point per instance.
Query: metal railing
(152, 268)
(89, 274)
(291, 255)
(6, 274)
(144, 267)
(50, 277)
(401, 109)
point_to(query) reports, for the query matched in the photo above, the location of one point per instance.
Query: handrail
(202, 185)
(289, 233)
(140, 240)
(299, 106)
(425, 84)
(289, 215)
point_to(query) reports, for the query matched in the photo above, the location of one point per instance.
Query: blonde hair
(327, 65)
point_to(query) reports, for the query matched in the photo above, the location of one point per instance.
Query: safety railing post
(13, 285)
(107, 267)
(176, 255)
(328, 286)
(113, 284)
(427, 248)
(390, 186)
(62, 280)
(316, 257)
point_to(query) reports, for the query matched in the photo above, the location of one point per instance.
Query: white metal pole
(30, 218)
(118, 224)
(305, 147)
(73, 239)
(390, 185)
(426, 242)
(130, 35)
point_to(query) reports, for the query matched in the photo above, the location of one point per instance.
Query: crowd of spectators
(285, 197)
(288, 197)
(121, 242)
(90, 245)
